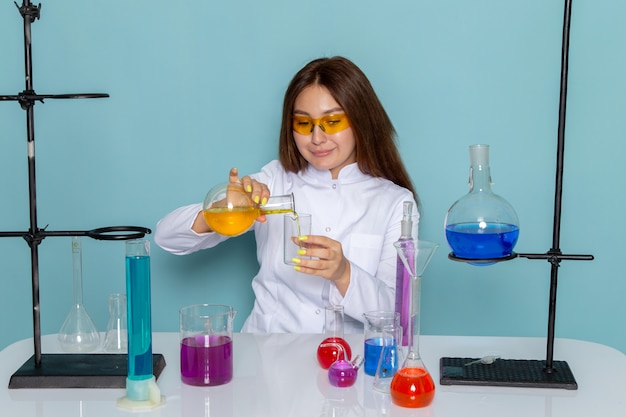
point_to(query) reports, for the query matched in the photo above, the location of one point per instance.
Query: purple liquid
(342, 374)
(206, 360)
(469, 241)
(403, 295)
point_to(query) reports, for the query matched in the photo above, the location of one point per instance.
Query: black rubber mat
(78, 371)
(506, 373)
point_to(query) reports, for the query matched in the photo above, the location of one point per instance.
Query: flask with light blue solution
(481, 225)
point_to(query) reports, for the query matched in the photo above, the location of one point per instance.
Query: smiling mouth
(322, 153)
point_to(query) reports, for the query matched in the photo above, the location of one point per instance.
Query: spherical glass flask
(481, 225)
(229, 210)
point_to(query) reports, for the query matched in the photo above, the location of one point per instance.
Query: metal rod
(34, 236)
(29, 13)
(558, 192)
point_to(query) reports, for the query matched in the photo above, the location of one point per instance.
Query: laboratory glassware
(375, 321)
(328, 350)
(343, 373)
(412, 386)
(391, 357)
(403, 279)
(78, 332)
(116, 336)
(481, 225)
(296, 224)
(141, 388)
(206, 344)
(229, 210)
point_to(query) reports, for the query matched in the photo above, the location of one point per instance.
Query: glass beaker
(375, 321)
(391, 357)
(412, 386)
(481, 224)
(116, 336)
(333, 345)
(78, 332)
(206, 344)
(229, 210)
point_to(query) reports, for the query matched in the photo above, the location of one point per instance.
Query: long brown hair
(376, 151)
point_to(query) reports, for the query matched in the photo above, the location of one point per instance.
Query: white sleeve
(174, 234)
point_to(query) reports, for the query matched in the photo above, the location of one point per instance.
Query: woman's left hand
(329, 263)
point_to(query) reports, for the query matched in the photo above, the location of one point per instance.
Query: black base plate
(78, 371)
(506, 373)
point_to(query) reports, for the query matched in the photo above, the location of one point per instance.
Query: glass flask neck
(334, 321)
(77, 271)
(480, 179)
(480, 173)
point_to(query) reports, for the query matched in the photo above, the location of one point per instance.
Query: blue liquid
(470, 241)
(139, 321)
(373, 347)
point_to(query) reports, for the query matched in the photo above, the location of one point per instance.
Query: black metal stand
(551, 374)
(57, 371)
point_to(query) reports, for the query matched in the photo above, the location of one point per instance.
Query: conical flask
(116, 336)
(412, 386)
(78, 333)
(481, 225)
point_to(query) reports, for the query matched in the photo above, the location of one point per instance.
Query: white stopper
(479, 155)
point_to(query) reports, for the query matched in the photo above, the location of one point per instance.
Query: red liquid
(328, 351)
(412, 387)
(206, 360)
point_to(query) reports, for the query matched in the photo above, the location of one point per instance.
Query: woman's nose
(317, 135)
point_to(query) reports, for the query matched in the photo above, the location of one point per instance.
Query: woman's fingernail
(249, 188)
(256, 199)
(301, 251)
(296, 260)
(303, 237)
(264, 201)
(297, 268)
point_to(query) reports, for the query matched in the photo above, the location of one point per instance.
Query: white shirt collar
(348, 174)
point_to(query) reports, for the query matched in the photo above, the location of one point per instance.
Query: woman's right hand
(258, 191)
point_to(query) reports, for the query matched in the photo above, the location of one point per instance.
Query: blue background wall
(196, 88)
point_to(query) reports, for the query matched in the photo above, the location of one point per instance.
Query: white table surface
(278, 375)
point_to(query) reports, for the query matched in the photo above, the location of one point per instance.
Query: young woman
(338, 157)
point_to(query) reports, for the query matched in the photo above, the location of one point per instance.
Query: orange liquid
(412, 387)
(232, 222)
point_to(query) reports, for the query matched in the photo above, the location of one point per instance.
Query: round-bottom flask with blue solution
(481, 226)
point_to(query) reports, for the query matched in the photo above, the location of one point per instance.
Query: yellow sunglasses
(333, 123)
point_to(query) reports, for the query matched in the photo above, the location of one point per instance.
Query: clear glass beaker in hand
(297, 225)
(116, 337)
(375, 321)
(230, 211)
(206, 344)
